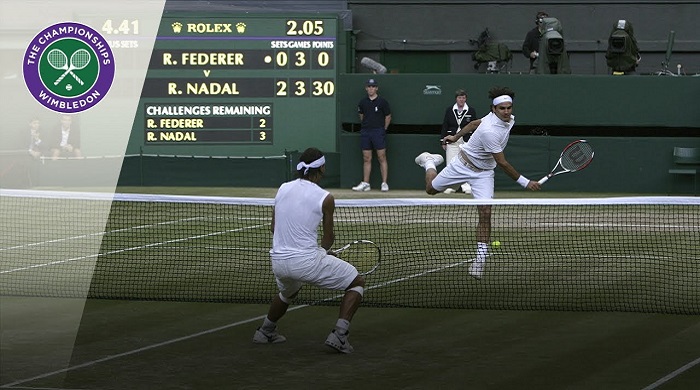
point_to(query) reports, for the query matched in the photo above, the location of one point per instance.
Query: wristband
(523, 181)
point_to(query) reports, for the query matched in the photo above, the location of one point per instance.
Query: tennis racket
(363, 254)
(576, 156)
(58, 60)
(78, 60)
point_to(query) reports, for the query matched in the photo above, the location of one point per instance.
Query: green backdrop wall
(566, 100)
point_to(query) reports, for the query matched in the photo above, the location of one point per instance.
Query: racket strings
(361, 257)
(80, 59)
(57, 59)
(364, 256)
(577, 157)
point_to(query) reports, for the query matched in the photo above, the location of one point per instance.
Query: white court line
(175, 221)
(611, 224)
(96, 234)
(673, 375)
(132, 248)
(213, 330)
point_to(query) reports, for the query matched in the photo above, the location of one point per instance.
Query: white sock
(430, 164)
(268, 326)
(481, 250)
(342, 326)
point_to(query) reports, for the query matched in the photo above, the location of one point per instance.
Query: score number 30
(318, 88)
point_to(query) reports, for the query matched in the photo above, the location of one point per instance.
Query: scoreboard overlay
(244, 84)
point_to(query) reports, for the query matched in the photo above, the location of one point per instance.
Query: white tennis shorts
(320, 269)
(456, 172)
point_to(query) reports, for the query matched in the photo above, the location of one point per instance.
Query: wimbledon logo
(68, 67)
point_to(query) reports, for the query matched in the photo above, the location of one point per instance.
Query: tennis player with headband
(300, 206)
(475, 164)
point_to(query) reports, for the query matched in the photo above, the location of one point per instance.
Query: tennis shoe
(363, 186)
(423, 158)
(449, 191)
(339, 342)
(476, 269)
(385, 187)
(262, 337)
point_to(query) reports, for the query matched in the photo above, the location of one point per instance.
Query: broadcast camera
(553, 57)
(623, 54)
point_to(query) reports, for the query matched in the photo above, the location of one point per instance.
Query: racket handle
(543, 180)
(58, 80)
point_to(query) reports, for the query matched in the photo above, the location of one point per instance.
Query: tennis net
(637, 254)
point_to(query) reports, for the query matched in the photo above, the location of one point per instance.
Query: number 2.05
(304, 27)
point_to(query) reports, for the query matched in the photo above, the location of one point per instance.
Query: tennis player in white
(300, 206)
(475, 164)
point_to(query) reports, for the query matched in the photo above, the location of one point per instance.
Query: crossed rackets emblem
(59, 61)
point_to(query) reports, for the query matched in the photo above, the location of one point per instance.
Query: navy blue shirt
(374, 112)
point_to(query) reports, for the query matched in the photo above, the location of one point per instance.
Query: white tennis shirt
(298, 212)
(490, 137)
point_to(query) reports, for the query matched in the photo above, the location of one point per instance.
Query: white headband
(502, 99)
(314, 164)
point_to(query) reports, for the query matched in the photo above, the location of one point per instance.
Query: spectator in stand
(66, 139)
(531, 45)
(37, 146)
